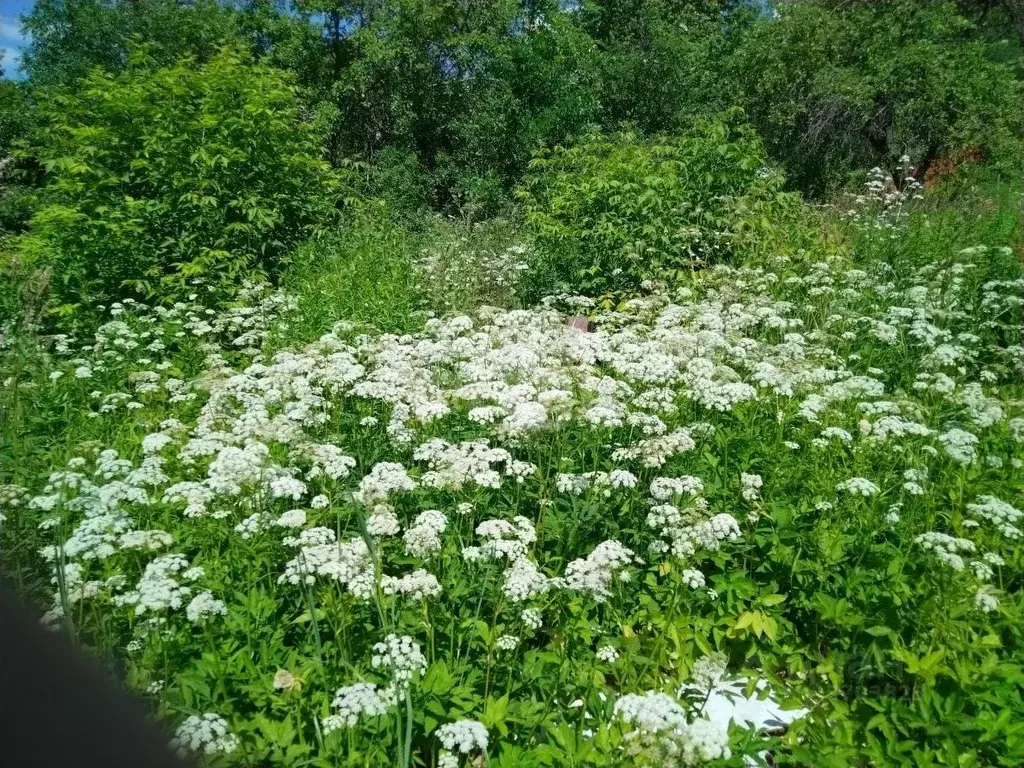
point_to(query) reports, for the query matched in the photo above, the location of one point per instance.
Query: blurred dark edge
(59, 710)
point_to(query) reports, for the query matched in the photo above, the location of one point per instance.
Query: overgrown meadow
(448, 384)
(501, 539)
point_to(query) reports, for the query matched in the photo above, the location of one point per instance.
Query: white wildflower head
(204, 734)
(594, 573)
(385, 479)
(532, 618)
(949, 549)
(858, 486)
(423, 539)
(1004, 517)
(204, 606)
(751, 486)
(708, 671)
(383, 522)
(293, 518)
(985, 601)
(509, 539)
(507, 642)
(162, 585)
(463, 737)
(353, 702)
(658, 730)
(961, 446)
(418, 585)
(401, 656)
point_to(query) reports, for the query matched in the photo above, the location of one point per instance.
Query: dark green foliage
(158, 176)
(15, 124)
(661, 63)
(472, 88)
(833, 89)
(611, 211)
(398, 179)
(70, 37)
(469, 88)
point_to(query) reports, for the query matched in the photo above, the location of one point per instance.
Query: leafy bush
(611, 211)
(660, 63)
(833, 89)
(397, 179)
(158, 176)
(67, 38)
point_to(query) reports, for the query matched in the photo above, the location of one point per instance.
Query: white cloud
(10, 31)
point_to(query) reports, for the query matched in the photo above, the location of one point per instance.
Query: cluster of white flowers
(293, 518)
(664, 488)
(708, 671)
(915, 478)
(453, 466)
(751, 486)
(1002, 516)
(286, 487)
(605, 482)
(383, 522)
(234, 468)
(947, 548)
(693, 578)
(507, 643)
(150, 540)
(320, 554)
(418, 585)
(858, 486)
(516, 380)
(204, 605)
(384, 479)
(659, 731)
(204, 734)
(594, 573)
(353, 702)
(503, 539)
(688, 531)
(159, 588)
(985, 601)
(961, 446)
(463, 737)
(253, 524)
(402, 657)
(655, 451)
(883, 206)
(423, 538)
(327, 459)
(524, 581)
(532, 618)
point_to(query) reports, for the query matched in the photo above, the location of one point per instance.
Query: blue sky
(10, 32)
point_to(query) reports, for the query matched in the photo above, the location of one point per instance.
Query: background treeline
(153, 141)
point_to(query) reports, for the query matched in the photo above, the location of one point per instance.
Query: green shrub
(612, 211)
(15, 124)
(834, 89)
(397, 178)
(155, 177)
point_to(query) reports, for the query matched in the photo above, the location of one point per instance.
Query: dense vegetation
(511, 383)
